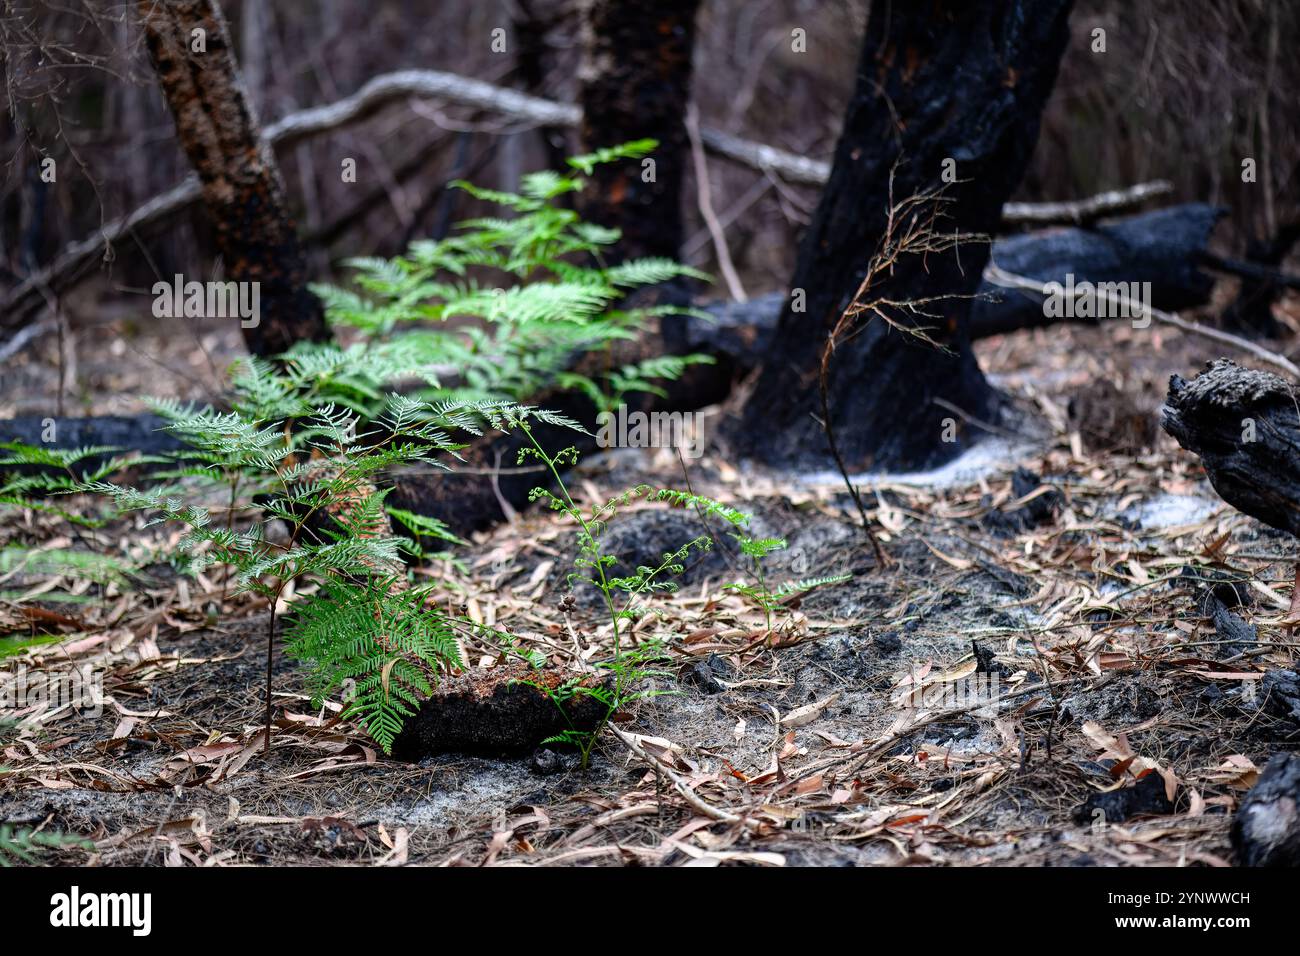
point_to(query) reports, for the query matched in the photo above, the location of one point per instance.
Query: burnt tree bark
(1245, 427)
(636, 82)
(190, 49)
(937, 80)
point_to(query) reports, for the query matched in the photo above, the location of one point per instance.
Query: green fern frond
(26, 845)
(383, 646)
(587, 164)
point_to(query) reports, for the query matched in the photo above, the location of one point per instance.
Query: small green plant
(771, 601)
(297, 504)
(560, 300)
(618, 683)
(26, 844)
(380, 643)
(623, 596)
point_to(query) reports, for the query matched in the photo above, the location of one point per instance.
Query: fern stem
(270, 664)
(767, 602)
(576, 512)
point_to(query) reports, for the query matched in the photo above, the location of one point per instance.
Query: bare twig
(911, 229)
(1080, 211)
(703, 194)
(755, 192)
(1008, 280)
(22, 337)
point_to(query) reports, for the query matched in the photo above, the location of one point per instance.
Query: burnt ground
(1067, 566)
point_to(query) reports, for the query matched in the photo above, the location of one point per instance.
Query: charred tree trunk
(189, 46)
(636, 83)
(937, 81)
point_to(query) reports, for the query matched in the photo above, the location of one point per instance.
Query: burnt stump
(499, 712)
(1244, 425)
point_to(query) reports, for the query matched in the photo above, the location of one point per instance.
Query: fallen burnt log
(1164, 248)
(140, 433)
(486, 484)
(1244, 425)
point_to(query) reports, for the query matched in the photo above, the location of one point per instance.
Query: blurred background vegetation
(1185, 91)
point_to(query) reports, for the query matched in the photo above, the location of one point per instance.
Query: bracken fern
(301, 505)
(562, 301)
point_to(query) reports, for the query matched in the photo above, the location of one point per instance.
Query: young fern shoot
(767, 599)
(623, 597)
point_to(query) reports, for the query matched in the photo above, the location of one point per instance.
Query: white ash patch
(992, 456)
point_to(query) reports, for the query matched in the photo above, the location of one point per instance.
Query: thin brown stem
(270, 664)
(882, 559)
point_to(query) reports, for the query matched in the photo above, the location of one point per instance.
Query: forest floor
(1073, 661)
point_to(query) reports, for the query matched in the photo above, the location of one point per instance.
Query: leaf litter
(1064, 580)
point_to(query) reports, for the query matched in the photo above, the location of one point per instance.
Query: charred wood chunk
(1266, 829)
(1039, 510)
(1229, 627)
(1244, 425)
(1147, 797)
(1279, 698)
(707, 675)
(501, 712)
(1230, 589)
